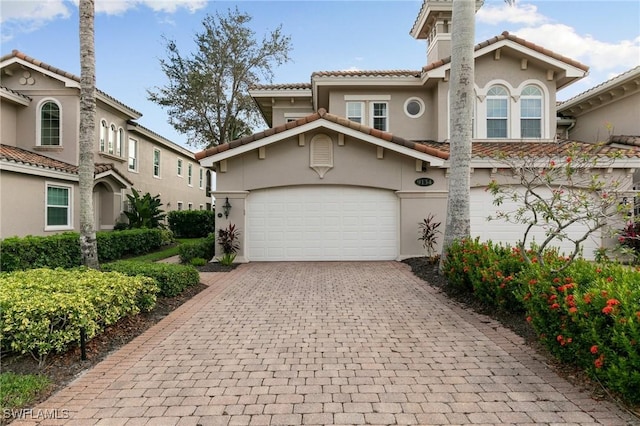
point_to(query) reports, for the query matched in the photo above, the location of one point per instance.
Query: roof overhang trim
(30, 169)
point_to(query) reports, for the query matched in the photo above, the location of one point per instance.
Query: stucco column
(237, 217)
(414, 207)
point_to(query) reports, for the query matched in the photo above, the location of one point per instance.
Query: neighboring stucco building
(39, 153)
(354, 160)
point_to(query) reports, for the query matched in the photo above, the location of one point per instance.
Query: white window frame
(104, 129)
(41, 104)
(189, 206)
(201, 183)
(355, 118)
(69, 224)
(159, 171)
(540, 118)
(119, 141)
(179, 167)
(180, 205)
(112, 138)
(410, 100)
(507, 99)
(372, 115)
(367, 105)
(133, 142)
(190, 174)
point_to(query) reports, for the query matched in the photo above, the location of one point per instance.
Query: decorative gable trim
(321, 154)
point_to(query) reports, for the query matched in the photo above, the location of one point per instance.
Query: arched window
(112, 137)
(531, 112)
(119, 141)
(50, 124)
(103, 135)
(497, 112)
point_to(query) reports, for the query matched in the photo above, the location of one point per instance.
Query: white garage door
(322, 223)
(501, 231)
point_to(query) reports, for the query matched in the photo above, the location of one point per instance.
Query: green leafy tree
(207, 95)
(144, 211)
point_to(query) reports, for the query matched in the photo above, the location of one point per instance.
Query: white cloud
(598, 55)
(526, 14)
(19, 16)
(116, 7)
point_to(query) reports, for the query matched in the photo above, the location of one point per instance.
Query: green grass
(164, 252)
(19, 390)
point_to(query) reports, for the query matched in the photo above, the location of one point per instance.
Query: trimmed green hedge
(204, 249)
(171, 279)
(192, 223)
(43, 310)
(63, 250)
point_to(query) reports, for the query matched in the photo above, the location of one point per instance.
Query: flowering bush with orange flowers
(589, 315)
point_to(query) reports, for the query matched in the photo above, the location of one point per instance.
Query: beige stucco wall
(8, 115)
(355, 164)
(290, 108)
(621, 117)
(22, 215)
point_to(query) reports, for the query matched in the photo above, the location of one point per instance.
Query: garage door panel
(322, 223)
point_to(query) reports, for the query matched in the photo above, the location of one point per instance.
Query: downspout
(561, 121)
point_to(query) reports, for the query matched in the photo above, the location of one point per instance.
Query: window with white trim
(58, 207)
(355, 111)
(190, 206)
(201, 185)
(190, 174)
(380, 116)
(497, 112)
(156, 163)
(112, 138)
(414, 107)
(119, 140)
(531, 112)
(103, 135)
(179, 205)
(180, 167)
(133, 155)
(50, 124)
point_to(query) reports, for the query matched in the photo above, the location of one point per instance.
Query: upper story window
(414, 107)
(531, 112)
(119, 139)
(201, 184)
(354, 111)
(379, 115)
(103, 135)
(50, 124)
(190, 174)
(497, 112)
(180, 167)
(370, 110)
(133, 155)
(156, 163)
(112, 138)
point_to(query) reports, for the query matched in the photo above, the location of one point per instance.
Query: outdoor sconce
(226, 208)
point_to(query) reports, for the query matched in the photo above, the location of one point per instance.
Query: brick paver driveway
(324, 343)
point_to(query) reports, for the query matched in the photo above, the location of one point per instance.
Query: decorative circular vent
(414, 107)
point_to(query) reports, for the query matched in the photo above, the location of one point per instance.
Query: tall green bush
(63, 250)
(204, 249)
(192, 223)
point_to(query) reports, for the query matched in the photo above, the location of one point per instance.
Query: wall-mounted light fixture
(226, 208)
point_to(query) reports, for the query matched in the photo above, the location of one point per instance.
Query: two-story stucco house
(354, 160)
(39, 153)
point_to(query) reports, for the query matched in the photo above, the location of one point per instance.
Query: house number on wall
(424, 181)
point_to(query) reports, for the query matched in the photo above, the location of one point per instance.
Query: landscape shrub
(44, 310)
(487, 270)
(204, 248)
(589, 315)
(192, 223)
(171, 279)
(63, 250)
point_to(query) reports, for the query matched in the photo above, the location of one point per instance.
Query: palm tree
(88, 243)
(458, 224)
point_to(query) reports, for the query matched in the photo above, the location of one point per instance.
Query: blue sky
(326, 35)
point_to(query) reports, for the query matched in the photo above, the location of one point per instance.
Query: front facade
(355, 160)
(39, 155)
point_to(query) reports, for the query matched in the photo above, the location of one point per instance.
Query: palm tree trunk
(460, 122)
(88, 243)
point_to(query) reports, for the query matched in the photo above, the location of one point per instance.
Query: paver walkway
(324, 343)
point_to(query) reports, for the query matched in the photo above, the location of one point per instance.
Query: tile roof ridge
(599, 85)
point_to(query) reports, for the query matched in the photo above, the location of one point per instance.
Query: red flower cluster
(560, 338)
(594, 349)
(599, 362)
(610, 304)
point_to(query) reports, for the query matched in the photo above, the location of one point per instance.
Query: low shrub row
(63, 250)
(204, 249)
(587, 314)
(171, 279)
(192, 223)
(44, 310)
